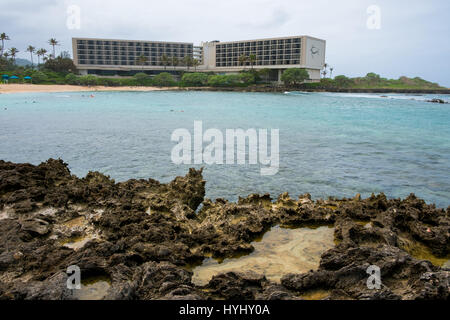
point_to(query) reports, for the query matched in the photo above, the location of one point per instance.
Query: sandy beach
(21, 88)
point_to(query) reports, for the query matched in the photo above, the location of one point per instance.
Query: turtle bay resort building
(106, 57)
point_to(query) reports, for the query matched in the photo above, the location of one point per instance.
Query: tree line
(11, 53)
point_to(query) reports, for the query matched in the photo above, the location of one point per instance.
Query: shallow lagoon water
(280, 252)
(330, 144)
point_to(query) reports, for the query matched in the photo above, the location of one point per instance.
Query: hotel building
(121, 57)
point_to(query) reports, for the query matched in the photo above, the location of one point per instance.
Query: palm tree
(242, 60)
(6, 55)
(12, 52)
(187, 60)
(324, 73)
(252, 59)
(331, 72)
(164, 60)
(175, 61)
(4, 38)
(142, 60)
(53, 42)
(31, 50)
(195, 63)
(325, 66)
(40, 52)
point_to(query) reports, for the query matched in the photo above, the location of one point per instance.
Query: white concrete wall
(314, 53)
(209, 56)
(314, 74)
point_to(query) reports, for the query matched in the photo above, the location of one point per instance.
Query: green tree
(194, 79)
(5, 63)
(342, 81)
(164, 61)
(247, 78)
(142, 60)
(294, 76)
(4, 38)
(195, 64)
(252, 59)
(225, 80)
(31, 50)
(41, 53)
(12, 52)
(187, 60)
(243, 60)
(64, 65)
(264, 73)
(163, 79)
(373, 77)
(53, 42)
(175, 61)
(141, 78)
(39, 77)
(88, 80)
(324, 72)
(71, 79)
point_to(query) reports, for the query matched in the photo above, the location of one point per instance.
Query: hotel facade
(109, 57)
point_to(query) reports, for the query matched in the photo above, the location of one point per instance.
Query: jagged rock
(144, 237)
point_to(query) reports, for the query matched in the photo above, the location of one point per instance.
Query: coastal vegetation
(373, 81)
(294, 76)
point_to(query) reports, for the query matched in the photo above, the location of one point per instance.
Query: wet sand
(23, 88)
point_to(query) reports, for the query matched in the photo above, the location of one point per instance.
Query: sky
(403, 37)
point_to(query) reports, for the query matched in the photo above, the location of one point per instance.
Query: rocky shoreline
(142, 238)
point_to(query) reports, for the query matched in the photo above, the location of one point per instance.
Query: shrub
(342, 81)
(88, 80)
(141, 78)
(247, 78)
(109, 82)
(264, 73)
(163, 79)
(294, 76)
(39, 77)
(71, 79)
(194, 79)
(229, 80)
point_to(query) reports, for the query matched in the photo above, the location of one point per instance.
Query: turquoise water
(330, 144)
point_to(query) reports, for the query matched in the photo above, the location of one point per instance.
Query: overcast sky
(413, 38)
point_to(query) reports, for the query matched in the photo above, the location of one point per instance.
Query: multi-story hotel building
(122, 57)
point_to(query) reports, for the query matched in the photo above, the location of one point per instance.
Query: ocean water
(330, 144)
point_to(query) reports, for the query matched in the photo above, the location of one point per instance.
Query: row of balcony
(259, 63)
(134, 44)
